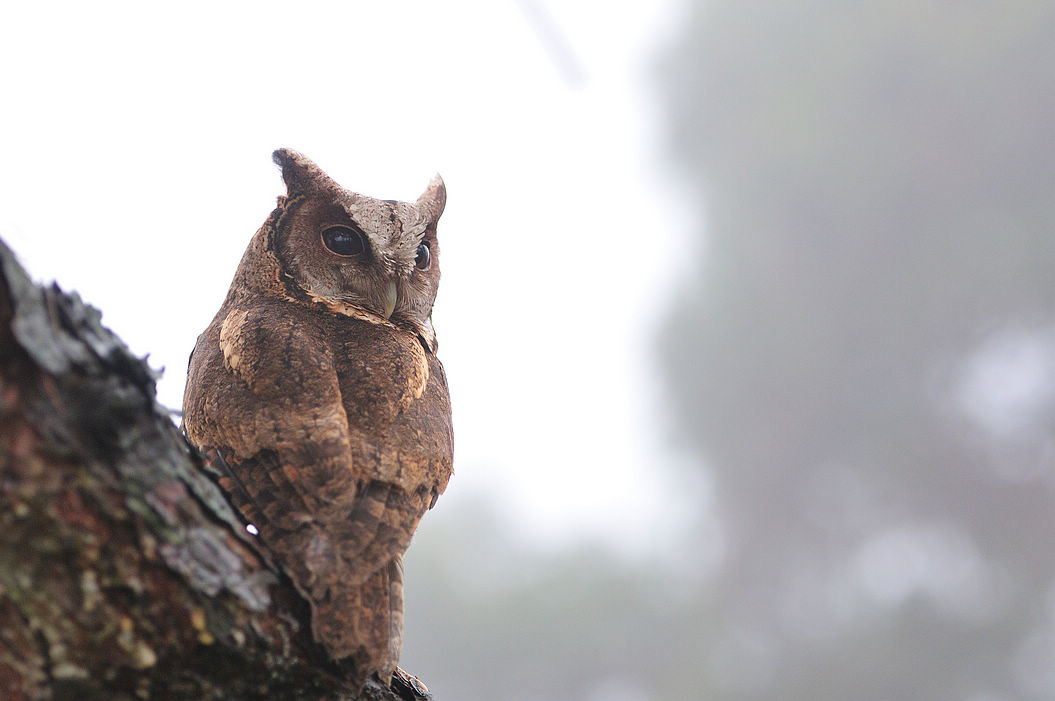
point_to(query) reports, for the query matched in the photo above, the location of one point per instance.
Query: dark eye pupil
(343, 240)
(424, 259)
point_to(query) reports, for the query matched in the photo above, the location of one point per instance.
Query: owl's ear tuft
(299, 172)
(434, 199)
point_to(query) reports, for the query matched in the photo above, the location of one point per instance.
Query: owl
(316, 395)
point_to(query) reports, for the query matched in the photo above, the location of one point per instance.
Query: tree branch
(124, 572)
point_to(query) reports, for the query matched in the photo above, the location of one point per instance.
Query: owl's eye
(424, 259)
(344, 240)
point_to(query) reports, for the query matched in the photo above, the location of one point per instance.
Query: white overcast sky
(136, 141)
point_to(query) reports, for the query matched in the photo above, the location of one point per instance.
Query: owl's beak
(391, 295)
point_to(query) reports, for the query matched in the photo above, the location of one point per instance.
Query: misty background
(747, 311)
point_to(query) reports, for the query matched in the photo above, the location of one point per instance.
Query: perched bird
(317, 396)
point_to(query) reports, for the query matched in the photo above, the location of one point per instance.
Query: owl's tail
(364, 622)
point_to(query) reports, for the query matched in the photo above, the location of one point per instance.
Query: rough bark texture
(124, 573)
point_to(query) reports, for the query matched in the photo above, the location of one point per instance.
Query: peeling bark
(124, 572)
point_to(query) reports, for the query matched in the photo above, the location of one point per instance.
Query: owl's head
(355, 254)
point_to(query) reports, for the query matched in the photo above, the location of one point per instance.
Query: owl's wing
(381, 523)
(295, 411)
(266, 394)
(274, 410)
(264, 401)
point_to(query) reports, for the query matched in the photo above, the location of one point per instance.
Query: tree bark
(124, 572)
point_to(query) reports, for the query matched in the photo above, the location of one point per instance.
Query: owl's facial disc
(355, 254)
(362, 275)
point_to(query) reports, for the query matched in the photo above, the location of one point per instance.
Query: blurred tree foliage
(863, 363)
(489, 619)
(864, 357)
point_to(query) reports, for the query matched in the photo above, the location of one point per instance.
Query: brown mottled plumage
(316, 392)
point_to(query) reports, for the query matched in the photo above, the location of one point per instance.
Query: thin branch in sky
(553, 40)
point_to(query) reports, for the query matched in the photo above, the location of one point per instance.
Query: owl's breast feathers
(334, 436)
(278, 378)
